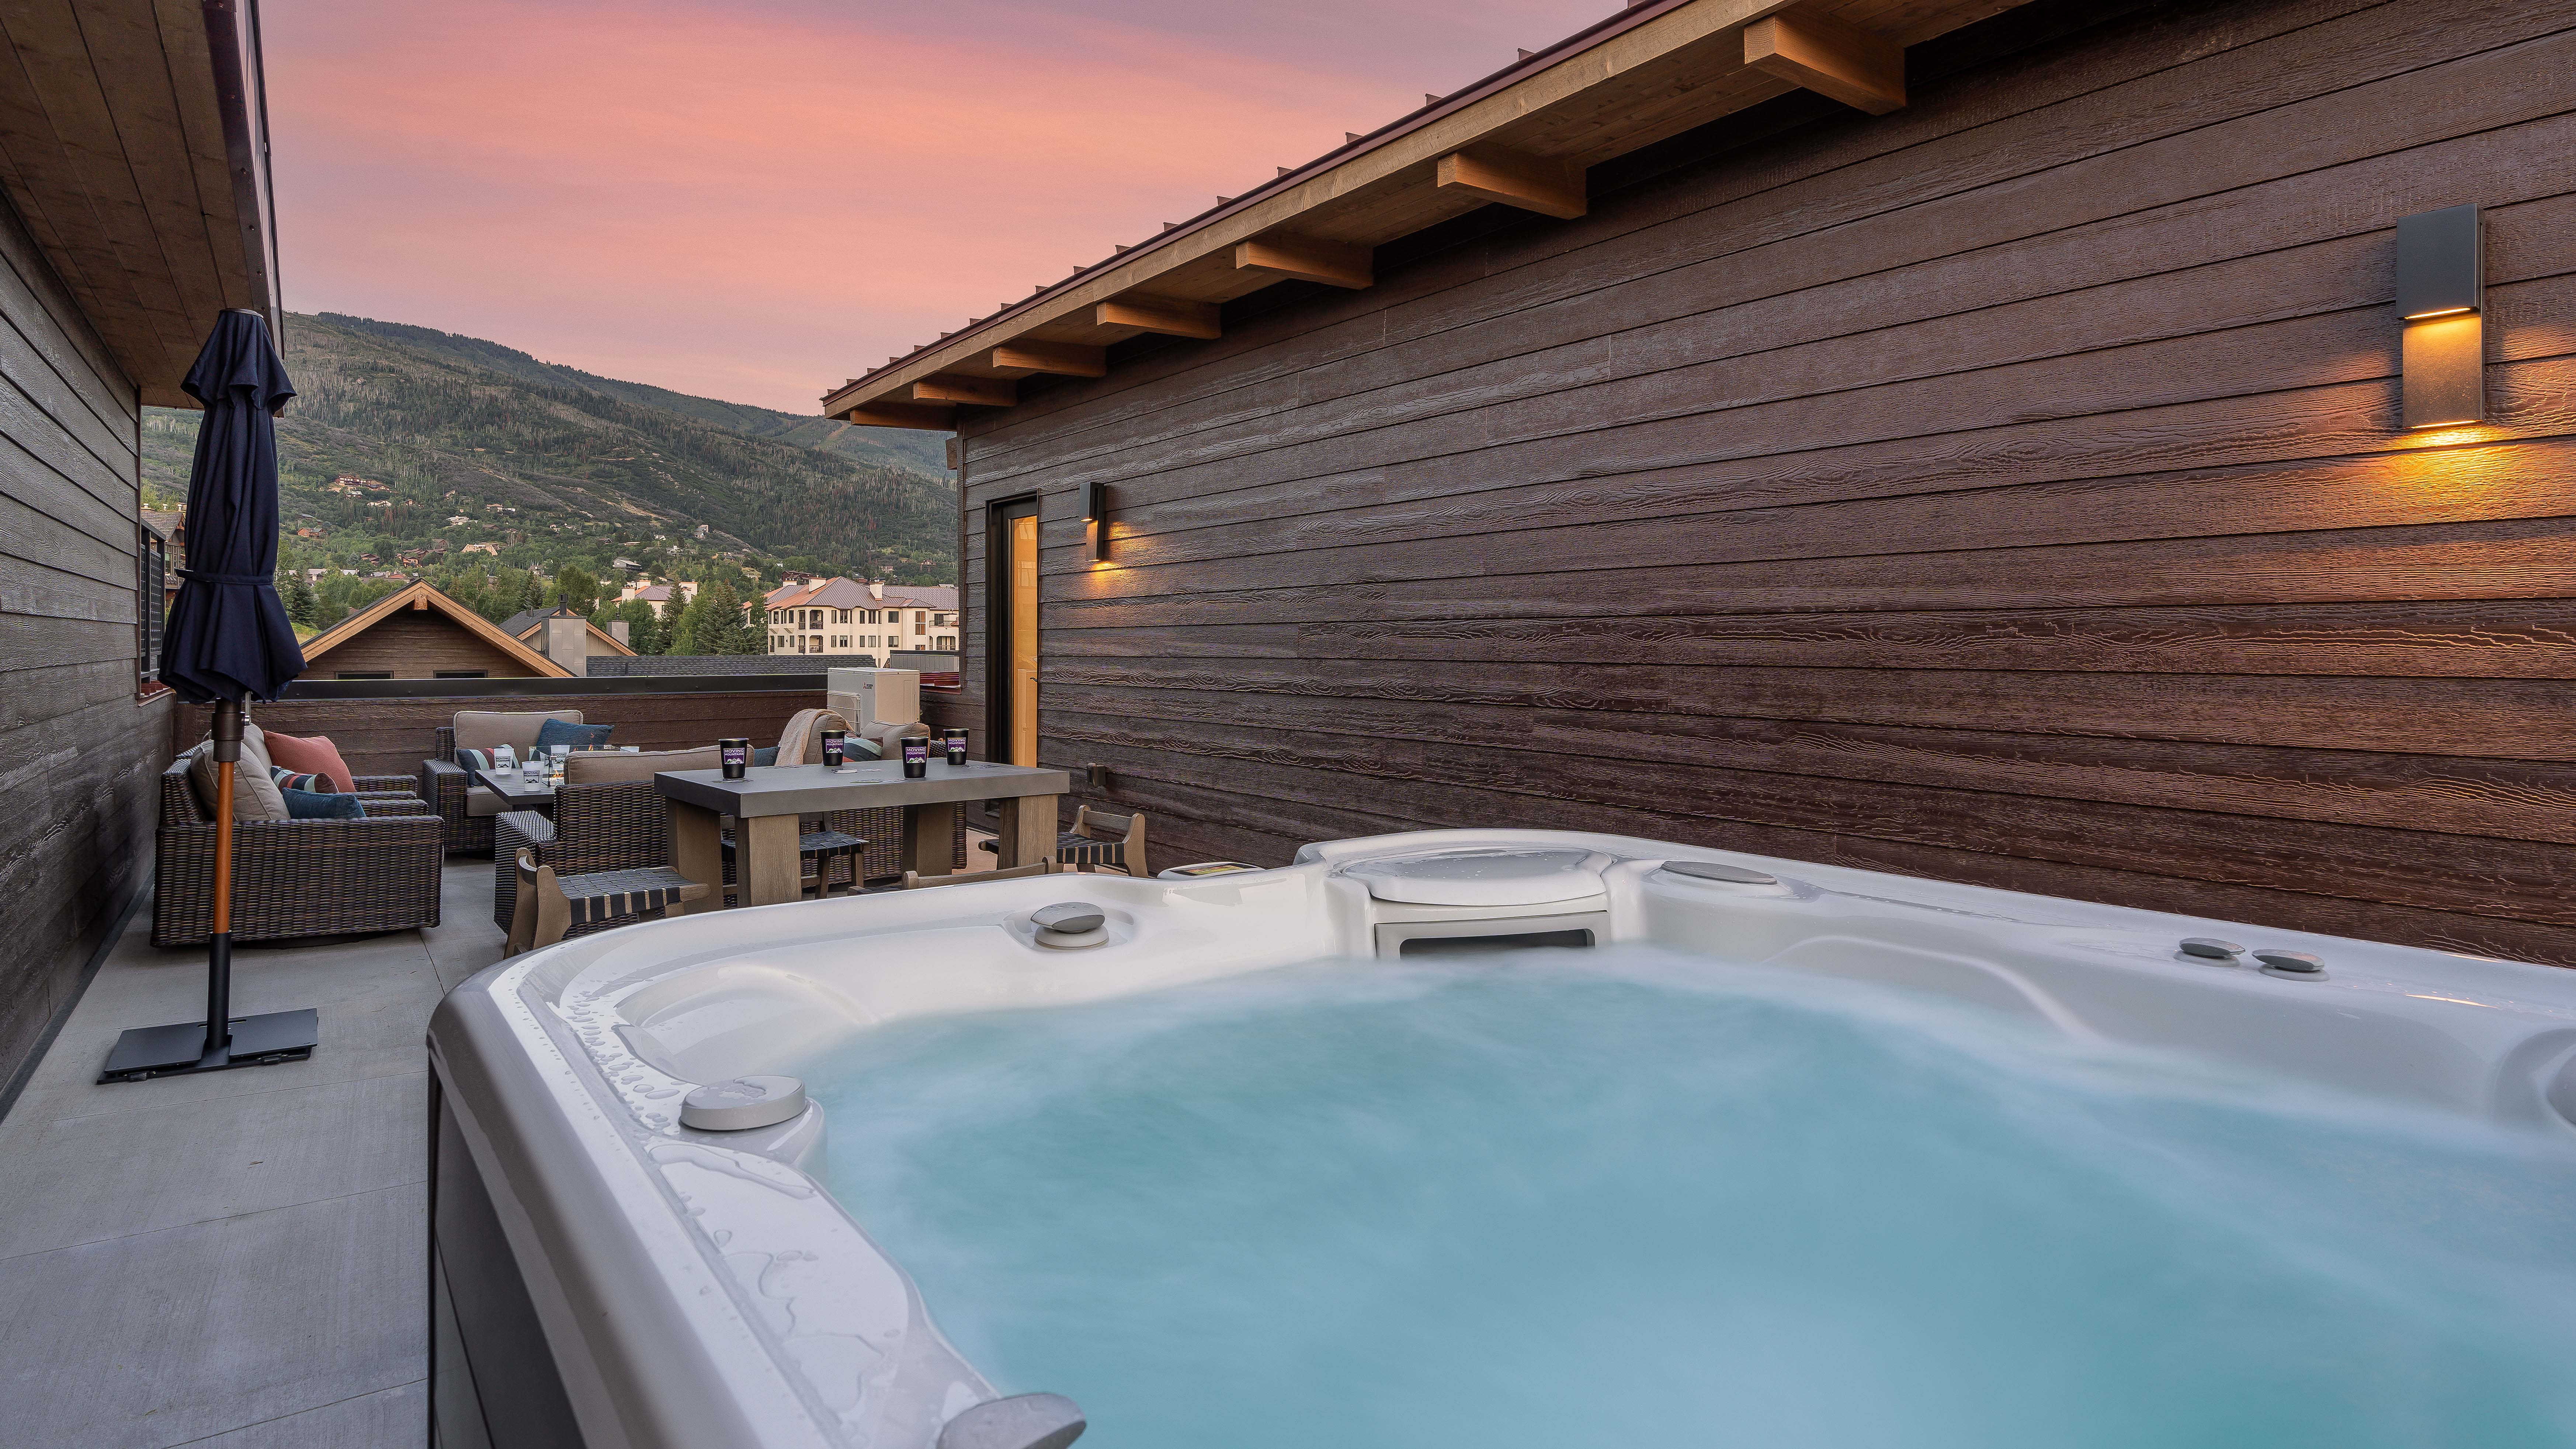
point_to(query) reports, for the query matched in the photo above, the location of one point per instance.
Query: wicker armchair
(298, 877)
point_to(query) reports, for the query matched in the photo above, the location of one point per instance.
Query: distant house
(493, 549)
(624, 563)
(844, 616)
(457, 520)
(659, 594)
(421, 633)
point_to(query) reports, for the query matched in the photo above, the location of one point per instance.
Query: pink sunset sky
(753, 199)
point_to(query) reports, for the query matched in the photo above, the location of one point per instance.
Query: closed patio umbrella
(228, 641)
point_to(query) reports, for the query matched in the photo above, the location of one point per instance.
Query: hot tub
(607, 1275)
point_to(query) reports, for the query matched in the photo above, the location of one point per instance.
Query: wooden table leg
(930, 839)
(697, 851)
(766, 867)
(1028, 829)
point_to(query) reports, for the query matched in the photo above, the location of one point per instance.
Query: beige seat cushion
(801, 743)
(884, 736)
(483, 729)
(594, 767)
(255, 795)
(482, 800)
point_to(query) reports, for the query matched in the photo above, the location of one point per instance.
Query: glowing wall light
(2441, 294)
(1095, 512)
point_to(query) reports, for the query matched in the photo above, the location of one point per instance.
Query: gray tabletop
(865, 785)
(514, 787)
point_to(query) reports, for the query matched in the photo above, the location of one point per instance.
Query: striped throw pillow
(289, 780)
(474, 759)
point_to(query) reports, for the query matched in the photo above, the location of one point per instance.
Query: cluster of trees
(313, 606)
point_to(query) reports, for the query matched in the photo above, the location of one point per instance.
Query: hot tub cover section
(1483, 877)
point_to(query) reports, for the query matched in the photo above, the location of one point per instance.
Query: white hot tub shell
(607, 1276)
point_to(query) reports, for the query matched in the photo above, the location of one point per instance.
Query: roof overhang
(1522, 137)
(134, 145)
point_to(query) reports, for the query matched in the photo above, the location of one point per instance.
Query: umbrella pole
(222, 1040)
(219, 942)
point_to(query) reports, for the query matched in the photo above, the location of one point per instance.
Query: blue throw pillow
(474, 759)
(580, 737)
(859, 747)
(313, 805)
(289, 780)
(765, 755)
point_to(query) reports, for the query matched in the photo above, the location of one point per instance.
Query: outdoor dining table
(767, 802)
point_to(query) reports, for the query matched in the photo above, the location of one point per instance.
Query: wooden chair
(1097, 838)
(548, 906)
(915, 881)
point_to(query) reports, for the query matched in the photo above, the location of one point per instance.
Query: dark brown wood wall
(78, 751)
(416, 644)
(392, 736)
(2006, 490)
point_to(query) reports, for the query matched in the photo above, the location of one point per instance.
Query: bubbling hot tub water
(1618, 1198)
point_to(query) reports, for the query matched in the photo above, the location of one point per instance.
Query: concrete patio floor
(237, 1259)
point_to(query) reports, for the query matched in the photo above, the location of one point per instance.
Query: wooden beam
(1830, 56)
(900, 415)
(949, 387)
(1064, 359)
(1306, 258)
(1169, 316)
(1515, 178)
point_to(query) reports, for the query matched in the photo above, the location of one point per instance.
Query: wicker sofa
(298, 877)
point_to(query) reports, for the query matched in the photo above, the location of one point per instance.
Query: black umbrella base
(144, 1052)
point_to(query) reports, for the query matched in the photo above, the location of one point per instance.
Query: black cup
(954, 740)
(916, 758)
(833, 748)
(736, 754)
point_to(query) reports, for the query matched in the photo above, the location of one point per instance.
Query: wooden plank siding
(78, 751)
(2007, 490)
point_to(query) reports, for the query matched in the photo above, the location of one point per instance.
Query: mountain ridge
(459, 444)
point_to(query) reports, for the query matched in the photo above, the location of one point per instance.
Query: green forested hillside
(461, 442)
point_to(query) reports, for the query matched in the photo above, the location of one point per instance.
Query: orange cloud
(753, 201)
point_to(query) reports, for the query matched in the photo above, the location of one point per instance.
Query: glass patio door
(1012, 547)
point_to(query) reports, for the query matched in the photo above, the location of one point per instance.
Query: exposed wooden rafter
(900, 415)
(1064, 359)
(1832, 57)
(991, 392)
(1542, 184)
(1306, 259)
(1167, 316)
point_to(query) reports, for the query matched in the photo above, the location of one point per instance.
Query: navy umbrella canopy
(228, 636)
(228, 641)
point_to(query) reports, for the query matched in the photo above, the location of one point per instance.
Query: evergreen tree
(576, 588)
(302, 605)
(688, 632)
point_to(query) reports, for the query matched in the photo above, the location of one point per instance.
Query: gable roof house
(421, 633)
(1968, 438)
(133, 211)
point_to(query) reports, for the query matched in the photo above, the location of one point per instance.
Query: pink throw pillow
(314, 756)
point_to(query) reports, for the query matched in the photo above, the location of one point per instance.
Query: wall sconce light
(2441, 294)
(1095, 512)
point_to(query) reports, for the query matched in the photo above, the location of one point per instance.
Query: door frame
(998, 517)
